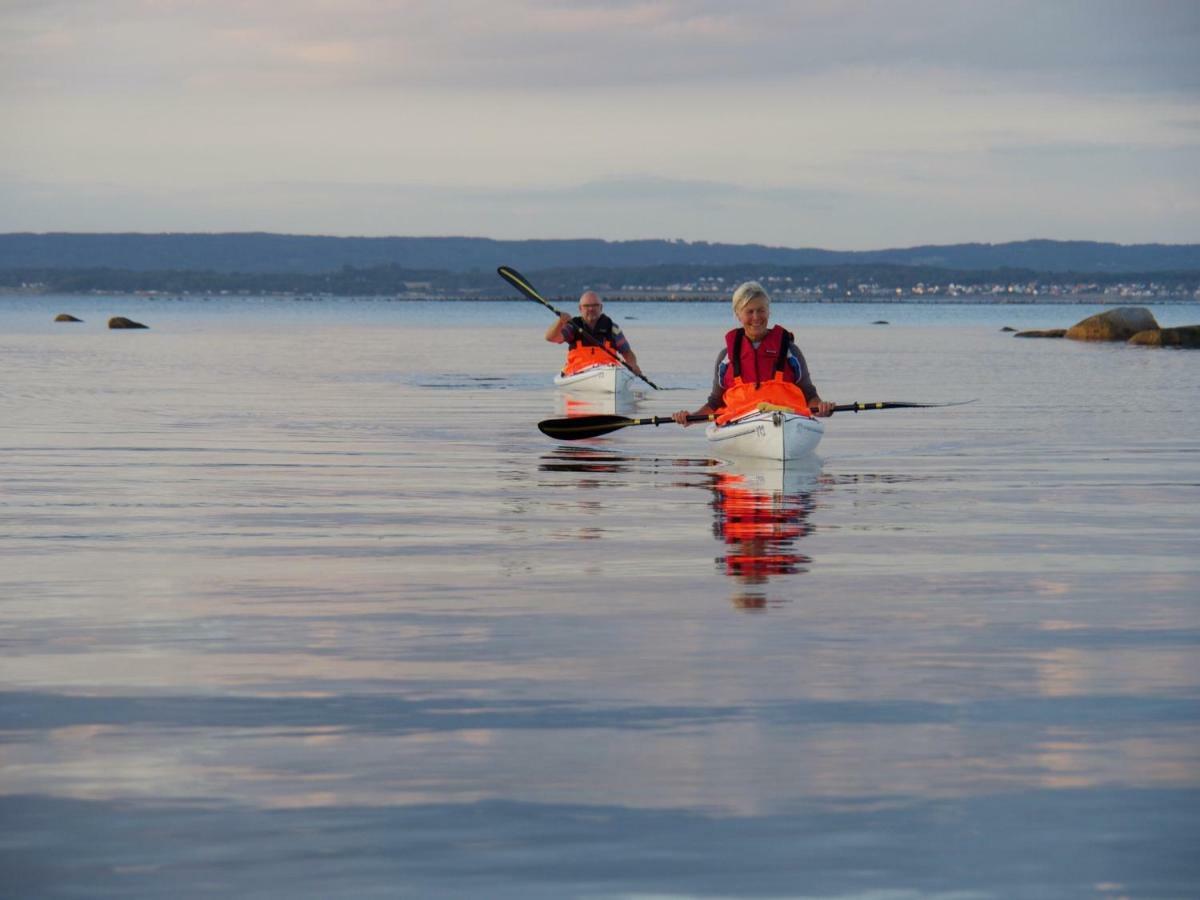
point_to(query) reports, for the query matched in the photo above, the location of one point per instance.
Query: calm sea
(296, 601)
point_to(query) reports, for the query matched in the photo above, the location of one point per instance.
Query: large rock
(1049, 332)
(66, 317)
(1118, 324)
(122, 322)
(1183, 336)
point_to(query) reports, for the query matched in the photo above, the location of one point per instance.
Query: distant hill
(302, 254)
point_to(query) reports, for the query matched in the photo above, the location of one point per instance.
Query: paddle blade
(517, 280)
(578, 428)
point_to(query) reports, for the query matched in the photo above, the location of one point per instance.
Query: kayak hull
(597, 379)
(776, 435)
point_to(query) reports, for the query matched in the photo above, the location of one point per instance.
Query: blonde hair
(747, 291)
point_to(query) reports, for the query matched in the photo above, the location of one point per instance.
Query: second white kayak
(597, 379)
(774, 434)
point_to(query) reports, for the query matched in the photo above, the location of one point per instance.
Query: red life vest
(757, 375)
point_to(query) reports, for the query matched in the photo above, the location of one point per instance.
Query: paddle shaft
(666, 420)
(517, 280)
(864, 407)
(578, 428)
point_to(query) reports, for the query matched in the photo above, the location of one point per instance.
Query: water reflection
(586, 457)
(587, 467)
(581, 458)
(571, 403)
(760, 512)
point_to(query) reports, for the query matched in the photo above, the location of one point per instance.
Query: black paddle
(863, 407)
(577, 428)
(517, 280)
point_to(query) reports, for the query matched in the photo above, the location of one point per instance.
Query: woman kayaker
(759, 364)
(582, 351)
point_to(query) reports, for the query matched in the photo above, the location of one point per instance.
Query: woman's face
(754, 317)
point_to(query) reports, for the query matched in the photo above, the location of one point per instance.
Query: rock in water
(66, 317)
(1119, 324)
(122, 322)
(1183, 336)
(1049, 332)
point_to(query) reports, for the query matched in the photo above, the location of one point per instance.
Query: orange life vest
(757, 375)
(582, 356)
(583, 353)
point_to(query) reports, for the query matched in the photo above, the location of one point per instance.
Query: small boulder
(881, 322)
(122, 322)
(1119, 324)
(1183, 336)
(1048, 333)
(1008, 328)
(66, 317)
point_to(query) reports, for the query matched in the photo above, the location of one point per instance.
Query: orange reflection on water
(760, 515)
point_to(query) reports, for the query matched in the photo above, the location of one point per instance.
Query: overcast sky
(847, 125)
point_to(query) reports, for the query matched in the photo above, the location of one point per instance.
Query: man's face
(590, 308)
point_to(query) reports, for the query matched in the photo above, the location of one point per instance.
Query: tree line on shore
(393, 280)
(312, 254)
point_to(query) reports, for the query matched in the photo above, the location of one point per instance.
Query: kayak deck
(601, 379)
(772, 434)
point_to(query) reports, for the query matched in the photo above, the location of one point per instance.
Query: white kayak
(598, 379)
(772, 434)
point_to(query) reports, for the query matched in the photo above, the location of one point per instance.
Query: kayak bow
(597, 379)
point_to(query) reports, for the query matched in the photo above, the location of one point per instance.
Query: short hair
(747, 291)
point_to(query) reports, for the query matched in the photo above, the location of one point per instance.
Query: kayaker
(582, 351)
(759, 363)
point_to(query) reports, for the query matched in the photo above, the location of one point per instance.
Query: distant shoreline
(567, 302)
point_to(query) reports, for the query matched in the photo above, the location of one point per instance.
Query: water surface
(296, 601)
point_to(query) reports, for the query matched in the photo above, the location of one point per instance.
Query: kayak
(599, 379)
(772, 434)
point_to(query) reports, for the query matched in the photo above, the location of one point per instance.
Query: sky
(858, 124)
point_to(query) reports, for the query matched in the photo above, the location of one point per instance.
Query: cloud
(325, 53)
(774, 121)
(541, 45)
(863, 217)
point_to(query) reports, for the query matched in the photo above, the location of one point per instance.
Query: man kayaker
(759, 363)
(582, 351)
